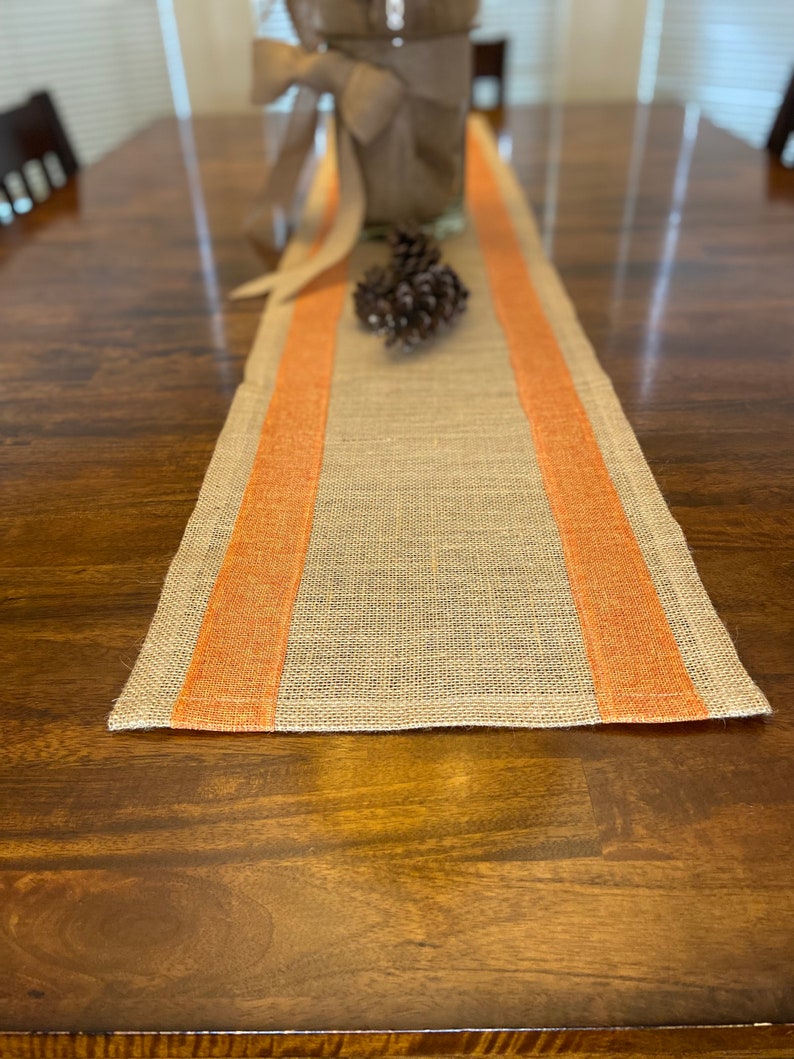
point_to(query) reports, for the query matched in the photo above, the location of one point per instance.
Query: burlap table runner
(465, 535)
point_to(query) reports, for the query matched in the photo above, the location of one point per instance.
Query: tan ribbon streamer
(367, 98)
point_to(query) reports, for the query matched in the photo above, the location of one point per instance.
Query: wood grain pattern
(409, 882)
(722, 1042)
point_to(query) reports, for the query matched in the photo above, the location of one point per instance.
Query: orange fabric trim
(233, 679)
(638, 671)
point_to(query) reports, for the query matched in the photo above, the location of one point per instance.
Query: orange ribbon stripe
(233, 679)
(637, 669)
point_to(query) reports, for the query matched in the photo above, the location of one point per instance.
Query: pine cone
(372, 297)
(408, 301)
(415, 308)
(412, 250)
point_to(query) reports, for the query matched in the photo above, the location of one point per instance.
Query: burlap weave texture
(446, 575)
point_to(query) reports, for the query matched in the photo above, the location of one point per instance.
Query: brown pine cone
(415, 307)
(412, 250)
(405, 303)
(372, 297)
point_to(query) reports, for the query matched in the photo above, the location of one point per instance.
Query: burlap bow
(366, 97)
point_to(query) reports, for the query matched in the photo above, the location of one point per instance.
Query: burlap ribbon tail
(369, 98)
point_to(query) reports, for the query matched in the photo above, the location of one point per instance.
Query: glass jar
(414, 170)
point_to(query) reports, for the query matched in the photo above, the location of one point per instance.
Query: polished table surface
(490, 879)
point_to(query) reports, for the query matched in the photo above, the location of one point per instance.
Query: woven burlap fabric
(158, 675)
(705, 645)
(434, 589)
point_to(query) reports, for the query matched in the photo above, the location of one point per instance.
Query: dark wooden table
(420, 883)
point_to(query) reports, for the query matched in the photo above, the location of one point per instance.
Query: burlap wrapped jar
(400, 74)
(414, 170)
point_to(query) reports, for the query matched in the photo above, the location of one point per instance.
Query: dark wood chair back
(488, 60)
(784, 123)
(33, 133)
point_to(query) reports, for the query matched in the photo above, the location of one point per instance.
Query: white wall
(601, 50)
(215, 38)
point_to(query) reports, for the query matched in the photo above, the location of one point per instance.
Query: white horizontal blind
(272, 20)
(733, 57)
(102, 61)
(532, 29)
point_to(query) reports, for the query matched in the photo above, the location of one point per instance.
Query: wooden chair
(33, 133)
(488, 60)
(784, 123)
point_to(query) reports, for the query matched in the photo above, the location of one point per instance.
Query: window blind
(102, 60)
(732, 57)
(533, 33)
(273, 20)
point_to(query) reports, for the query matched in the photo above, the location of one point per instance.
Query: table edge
(773, 1040)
